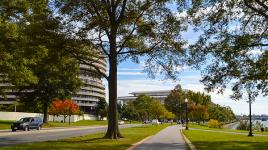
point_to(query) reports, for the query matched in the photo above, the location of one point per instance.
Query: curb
(138, 143)
(189, 143)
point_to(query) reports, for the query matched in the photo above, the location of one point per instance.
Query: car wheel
(26, 128)
(39, 128)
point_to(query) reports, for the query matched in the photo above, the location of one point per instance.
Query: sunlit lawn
(225, 141)
(94, 141)
(6, 124)
(196, 126)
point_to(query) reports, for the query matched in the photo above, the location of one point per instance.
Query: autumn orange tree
(64, 107)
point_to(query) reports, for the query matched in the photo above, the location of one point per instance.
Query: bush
(243, 125)
(212, 123)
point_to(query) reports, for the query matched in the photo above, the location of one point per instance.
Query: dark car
(27, 123)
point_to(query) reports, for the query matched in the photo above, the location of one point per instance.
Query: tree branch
(262, 4)
(255, 9)
(141, 52)
(122, 12)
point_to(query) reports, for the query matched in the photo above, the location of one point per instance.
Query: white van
(155, 121)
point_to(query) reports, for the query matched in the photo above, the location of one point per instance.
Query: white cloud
(239, 107)
(130, 73)
(130, 69)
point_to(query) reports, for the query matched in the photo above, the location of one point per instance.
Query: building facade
(158, 95)
(92, 90)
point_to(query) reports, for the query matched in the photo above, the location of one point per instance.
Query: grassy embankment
(204, 140)
(94, 141)
(223, 129)
(6, 124)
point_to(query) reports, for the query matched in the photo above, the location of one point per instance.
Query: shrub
(243, 125)
(212, 123)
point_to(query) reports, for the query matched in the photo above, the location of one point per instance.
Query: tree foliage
(233, 44)
(101, 109)
(198, 112)
(64, 107)
(129, 112)
(123, 29)
(32, 53)
(200, 106)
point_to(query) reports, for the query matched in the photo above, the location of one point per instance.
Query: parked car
(155, 121)
(27, 123)
(121, 122)
(146, 121)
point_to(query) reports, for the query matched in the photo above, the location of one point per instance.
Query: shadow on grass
(232, 145)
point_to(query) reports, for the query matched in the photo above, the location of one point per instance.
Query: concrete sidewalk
(167, 139)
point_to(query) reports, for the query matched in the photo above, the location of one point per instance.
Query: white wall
(17, 115)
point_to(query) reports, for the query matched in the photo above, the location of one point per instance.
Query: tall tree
(125, 29)
(174, 102)
(56, 70)
(17, 52)
(143, 105)
(234, 39)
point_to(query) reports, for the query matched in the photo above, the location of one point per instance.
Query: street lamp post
(186, 101)
(250, 121)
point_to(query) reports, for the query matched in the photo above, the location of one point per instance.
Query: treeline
(142, 109)
(200, 106)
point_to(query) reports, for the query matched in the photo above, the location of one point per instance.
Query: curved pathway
(169, 138)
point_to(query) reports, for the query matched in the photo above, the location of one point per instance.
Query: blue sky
(132, 78)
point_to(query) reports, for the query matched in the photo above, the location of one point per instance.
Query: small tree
(157, 109)
(69, 107)
(129, 112)
(101, 109)
(198, 112)
(65, 108)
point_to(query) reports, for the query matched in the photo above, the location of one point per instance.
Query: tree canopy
(120, 30)
(233, 44)
(35, 57)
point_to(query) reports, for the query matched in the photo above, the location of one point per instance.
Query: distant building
(159, 95)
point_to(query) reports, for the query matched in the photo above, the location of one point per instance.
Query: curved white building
(92, 90)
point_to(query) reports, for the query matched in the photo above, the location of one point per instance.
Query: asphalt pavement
(11, 138)
(169, 138)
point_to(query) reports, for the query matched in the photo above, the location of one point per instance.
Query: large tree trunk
(113, 130)
(45, 111)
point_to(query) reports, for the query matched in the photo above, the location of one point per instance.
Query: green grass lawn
(222, 129)
(4, 124)
(78, 123)
(94, 141)
(225, 141)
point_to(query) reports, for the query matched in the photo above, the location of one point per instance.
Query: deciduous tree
(234, 41)
(124, 29)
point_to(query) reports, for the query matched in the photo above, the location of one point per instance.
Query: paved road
(12, 138)
(168, 139)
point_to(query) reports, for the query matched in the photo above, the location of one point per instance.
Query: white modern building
(92, 90)
(159, 95)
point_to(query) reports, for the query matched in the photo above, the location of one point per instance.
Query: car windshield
(25, 119)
